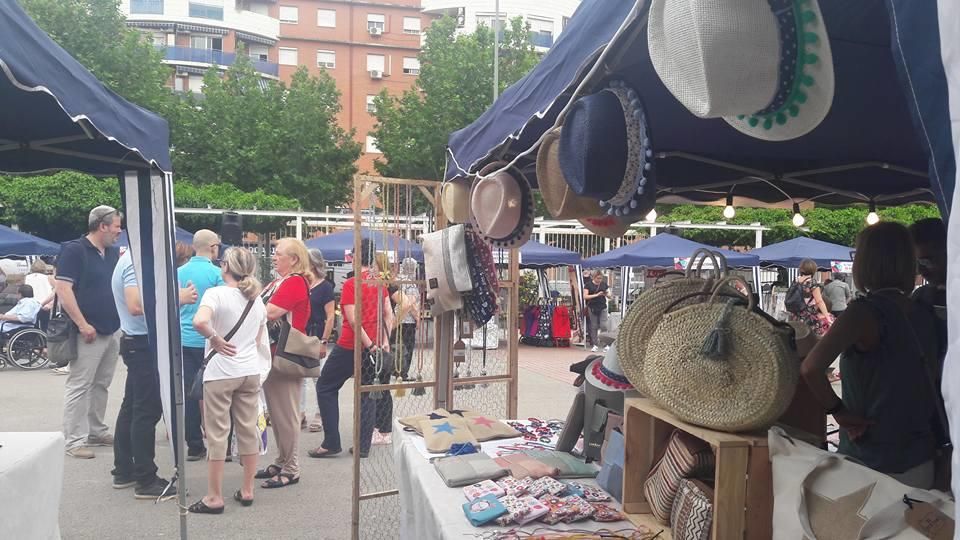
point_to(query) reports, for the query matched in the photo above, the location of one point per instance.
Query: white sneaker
(606, 349)
(65, 370)
(595, 349)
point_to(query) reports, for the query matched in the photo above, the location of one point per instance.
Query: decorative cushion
(686, 456)
(413, 422)
(485, 428)
(440, 434)
(692, 514)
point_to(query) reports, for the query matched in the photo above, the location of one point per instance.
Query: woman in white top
(231, 380)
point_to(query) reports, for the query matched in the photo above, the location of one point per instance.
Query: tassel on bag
(419, 391)
(716, 346)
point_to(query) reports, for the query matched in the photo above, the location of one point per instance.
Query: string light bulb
(652, 216)
(729, 212)
(798, 219)
(873, 218)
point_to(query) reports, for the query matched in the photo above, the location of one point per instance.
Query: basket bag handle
(695, 265)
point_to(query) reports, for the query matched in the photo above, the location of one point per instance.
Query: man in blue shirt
(22, 315)
(201, 273)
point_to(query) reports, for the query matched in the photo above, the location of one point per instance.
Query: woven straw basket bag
(720, 364)
(647, 310)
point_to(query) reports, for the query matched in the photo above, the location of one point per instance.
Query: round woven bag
(721, 365)
(646, 311)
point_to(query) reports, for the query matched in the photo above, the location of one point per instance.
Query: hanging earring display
(483, 356)
(377, 368)
(420, 391)
(468, 353)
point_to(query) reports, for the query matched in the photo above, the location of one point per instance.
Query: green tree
(95, 33)
(453, 89)
(284, 140)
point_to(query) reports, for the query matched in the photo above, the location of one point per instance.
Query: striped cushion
(692, 513)
(686, 456)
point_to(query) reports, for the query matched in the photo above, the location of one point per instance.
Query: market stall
(790, 253)
(20, 244)
(339, 246)
(180, 235)
(552, 319)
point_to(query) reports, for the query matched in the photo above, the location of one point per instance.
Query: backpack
(794, 300)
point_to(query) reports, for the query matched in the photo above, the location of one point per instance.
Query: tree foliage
(453, 89)
(283, 140)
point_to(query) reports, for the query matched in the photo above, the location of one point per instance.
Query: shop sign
(843, 267)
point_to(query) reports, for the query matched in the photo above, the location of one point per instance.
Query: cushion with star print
(486, 428)
(413, 422)
(439, 434)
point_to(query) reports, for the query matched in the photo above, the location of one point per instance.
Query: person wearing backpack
(804, 300)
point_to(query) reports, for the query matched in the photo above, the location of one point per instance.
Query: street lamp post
(496, 49)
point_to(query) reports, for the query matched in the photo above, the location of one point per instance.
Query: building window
(490, 21)
(411, 25)
(327, 18)
(146, 7)
(288, 56)
(205, 11)
(371, 146)
(289, 14)
(196, 83)
(541, 32)
(178, 83)
(411, 66)
(371, 108)
(259, 8)
(326, 59)
(564, 22)
(258, 52)
(376, 23)
(376, 62)
(159, 39)
(206, 42)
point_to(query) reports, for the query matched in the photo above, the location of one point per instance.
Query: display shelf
(743, 493)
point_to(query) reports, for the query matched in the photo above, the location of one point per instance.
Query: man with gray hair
(84, 270)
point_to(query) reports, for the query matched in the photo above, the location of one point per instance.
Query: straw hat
(703, 50)
(606, 374)
(607, 226)
(559, 199)
(502, 207)
(455, 200)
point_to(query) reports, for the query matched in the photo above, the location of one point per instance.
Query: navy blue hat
(593, 146)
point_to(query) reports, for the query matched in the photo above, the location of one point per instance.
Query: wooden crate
(743, 491)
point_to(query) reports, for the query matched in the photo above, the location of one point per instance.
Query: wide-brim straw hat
(558, 198)
(455, 200)
(502, 207)
(605, 373)
(607, 226)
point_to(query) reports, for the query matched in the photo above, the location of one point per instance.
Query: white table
(31, 479)
(431, 510)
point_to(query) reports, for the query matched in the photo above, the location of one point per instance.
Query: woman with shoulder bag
(231, 377)
(815, 313)
(889, 415)
(288, 297)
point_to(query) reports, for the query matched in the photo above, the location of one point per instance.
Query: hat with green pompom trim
(765, 66)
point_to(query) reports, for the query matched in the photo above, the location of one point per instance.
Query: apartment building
(366, 46)
(547, 19)
(197, 34)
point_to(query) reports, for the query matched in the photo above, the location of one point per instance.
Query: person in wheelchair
(22, 315)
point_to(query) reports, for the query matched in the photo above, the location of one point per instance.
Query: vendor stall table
(31, 478)
(431, 510)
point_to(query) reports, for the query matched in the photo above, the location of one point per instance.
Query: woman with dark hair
(888, 415)
(815, 313)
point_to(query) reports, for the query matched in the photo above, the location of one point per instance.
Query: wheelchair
(24, 347)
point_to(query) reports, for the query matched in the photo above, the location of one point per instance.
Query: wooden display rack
(743, 491)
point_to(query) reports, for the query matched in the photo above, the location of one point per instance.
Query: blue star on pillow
(443, 428)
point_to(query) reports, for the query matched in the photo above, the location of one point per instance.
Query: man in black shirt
(930, 241)
(84, 271)
(595, 294)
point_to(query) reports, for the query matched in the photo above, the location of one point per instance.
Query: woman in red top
(286, 296)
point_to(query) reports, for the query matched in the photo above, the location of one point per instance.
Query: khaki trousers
(283, 401)
(238, 397)
(87, 385)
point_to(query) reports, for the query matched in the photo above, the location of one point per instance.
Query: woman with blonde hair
(231, 380)
(288, 297)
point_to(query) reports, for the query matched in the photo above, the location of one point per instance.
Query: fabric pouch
(469, 469)
(515, 486)
(413, 422)
(591, 494)
(546, 486)
(483, 510)
(535, 510)
(581, 509)
(692, 515)
(558, 508)
(486, 487)
(604, 513)
(487, 429)
(567, 465)
(440, 434)
(522, 466)
(686, 456)
(516, 509)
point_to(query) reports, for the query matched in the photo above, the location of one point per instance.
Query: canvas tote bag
(819, 495)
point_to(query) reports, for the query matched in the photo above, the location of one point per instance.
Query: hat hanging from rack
(605, 151)
(765, 66)
(502, 207)
(455, 200)
(558, 198)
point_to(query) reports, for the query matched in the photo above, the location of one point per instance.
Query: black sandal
(321, 452)
(239, 498)
(269, 472)
(277, 481)
(200, 507)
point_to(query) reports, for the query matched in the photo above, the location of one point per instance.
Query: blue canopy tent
(56, 115)
(790, 253)
(533, 254)
(661, 251)
(180, 235)
(335, 247)
(20, 244)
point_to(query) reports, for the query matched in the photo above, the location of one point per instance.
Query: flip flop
(269, 472)
(200, 507)
(239, 498)
(277, 482)
(321, 453)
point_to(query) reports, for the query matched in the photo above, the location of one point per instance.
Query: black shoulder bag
(195, 392)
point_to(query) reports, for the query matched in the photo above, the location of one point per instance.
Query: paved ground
(318, 508)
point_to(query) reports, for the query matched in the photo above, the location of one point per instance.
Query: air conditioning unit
(375, 30)
(376, 74)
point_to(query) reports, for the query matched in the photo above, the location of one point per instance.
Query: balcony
(213, 56)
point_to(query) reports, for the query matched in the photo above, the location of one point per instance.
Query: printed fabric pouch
(686, 456)
(535, 510)
(485, 428)
(483, 510)
(546, 486)
(604, 513)
(567, 465)
(692, 514)
(440, 434)
(413, 422)
(486, 487)
(468, 469)
(522, 466)
(515, 486)
(558, 508)
(591, 494)
(516, 509)
(611, 474)
(581, 509)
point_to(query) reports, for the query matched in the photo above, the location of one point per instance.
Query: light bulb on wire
(652, 216)
(729, 212)
(873, 218)
(798, 219)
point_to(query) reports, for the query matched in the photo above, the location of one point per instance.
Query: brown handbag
(296, 354)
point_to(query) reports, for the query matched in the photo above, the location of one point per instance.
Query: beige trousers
(283, 401)
(237, 397)
(87, 386)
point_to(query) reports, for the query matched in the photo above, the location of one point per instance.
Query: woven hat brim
(597, 383)
(455, 201)
(558, 198)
